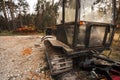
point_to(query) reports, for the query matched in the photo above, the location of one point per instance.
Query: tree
(23, 8)
(40, 6)
(12, 6)
(3, 8)
(2, 23)
(14, 13)
(46, 14)
(118, 13)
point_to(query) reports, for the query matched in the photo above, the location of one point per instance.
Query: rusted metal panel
(60, 44)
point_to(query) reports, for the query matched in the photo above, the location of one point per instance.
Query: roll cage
(71, 33)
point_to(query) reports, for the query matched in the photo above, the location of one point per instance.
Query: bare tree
(5, 13)
(118, 12)
(23, 8)
(11, 6)
(52, 2)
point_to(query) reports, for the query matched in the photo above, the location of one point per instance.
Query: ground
(22, 58)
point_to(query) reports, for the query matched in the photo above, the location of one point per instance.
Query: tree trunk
(5, 14)
(21, 20)
(52, 2)
(12, 14)
(118, 14)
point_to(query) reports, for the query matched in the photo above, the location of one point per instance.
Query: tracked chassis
(61, 66)
(67, 67)
(57, 60)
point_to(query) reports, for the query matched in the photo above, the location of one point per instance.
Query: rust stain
(27, 51)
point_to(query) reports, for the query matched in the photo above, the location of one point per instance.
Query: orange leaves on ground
(27, 51)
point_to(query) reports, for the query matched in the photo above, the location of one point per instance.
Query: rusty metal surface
(60, 44)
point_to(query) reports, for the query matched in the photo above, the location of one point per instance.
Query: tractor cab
(86, 24)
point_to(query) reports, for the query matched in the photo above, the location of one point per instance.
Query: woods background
(15, 14)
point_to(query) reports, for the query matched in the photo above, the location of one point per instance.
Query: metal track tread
(57, 61)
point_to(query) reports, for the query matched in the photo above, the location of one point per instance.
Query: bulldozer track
(57, 60)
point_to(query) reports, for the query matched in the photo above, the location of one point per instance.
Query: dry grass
(116, 47)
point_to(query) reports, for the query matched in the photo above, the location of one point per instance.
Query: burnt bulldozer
(84, 29)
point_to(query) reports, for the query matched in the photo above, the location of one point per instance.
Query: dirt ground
(22, 58)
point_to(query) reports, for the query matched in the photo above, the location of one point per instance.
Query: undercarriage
(65, 67)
